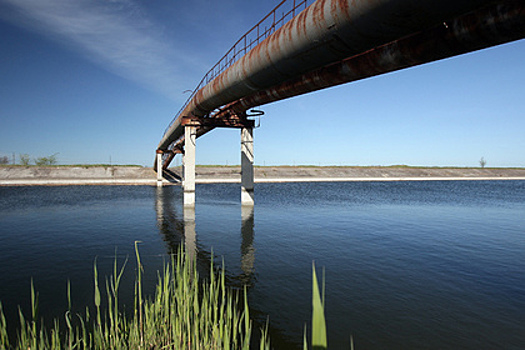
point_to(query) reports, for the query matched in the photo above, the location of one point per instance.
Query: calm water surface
(409, 265)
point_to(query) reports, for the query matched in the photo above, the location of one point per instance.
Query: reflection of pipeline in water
(172, 228)
(247, 249)
(177, 226)
(175, 230)
(168, 222)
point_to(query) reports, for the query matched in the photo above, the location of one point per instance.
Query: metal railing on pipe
(264, 28)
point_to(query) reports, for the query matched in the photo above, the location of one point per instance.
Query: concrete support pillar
(159, 168)
(247, 180)
(189, 166)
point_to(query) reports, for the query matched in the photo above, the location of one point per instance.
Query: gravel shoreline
(136, 175)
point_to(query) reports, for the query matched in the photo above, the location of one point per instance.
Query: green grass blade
(305, 340)
(319, 340)
(4, 339)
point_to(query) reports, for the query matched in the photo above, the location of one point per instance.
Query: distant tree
(43, 161)
(482, 162)
(25, 159)
(53, 159)
(4, 160)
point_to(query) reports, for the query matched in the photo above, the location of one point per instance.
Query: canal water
(408, 265)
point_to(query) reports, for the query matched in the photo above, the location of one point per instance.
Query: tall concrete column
(189, 166)
(159, 168)
(247, 181)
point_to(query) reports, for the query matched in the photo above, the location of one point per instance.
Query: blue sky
(99, 80)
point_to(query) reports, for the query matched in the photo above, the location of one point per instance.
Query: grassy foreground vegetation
(186, 312)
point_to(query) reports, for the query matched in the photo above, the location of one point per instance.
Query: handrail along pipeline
(271, 22)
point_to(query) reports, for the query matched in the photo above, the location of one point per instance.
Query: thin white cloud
(113, 33)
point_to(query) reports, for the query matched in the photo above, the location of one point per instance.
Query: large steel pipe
(492, 25)
(327, 32)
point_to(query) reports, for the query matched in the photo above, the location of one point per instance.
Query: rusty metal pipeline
(337, 41)
(492, 25)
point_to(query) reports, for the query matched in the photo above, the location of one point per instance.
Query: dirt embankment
(76, 175)
(341, 172)
(136, 175)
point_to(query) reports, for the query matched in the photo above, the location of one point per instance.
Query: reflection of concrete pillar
(190, 237)
(247, 197)
(247, 249)
(169, 221)
(159, 206)
(189, 166)
(159, 168)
